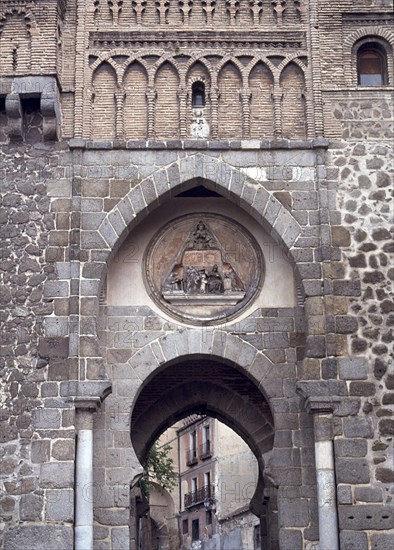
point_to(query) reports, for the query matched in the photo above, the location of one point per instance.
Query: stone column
(322, 410)
(84, 474)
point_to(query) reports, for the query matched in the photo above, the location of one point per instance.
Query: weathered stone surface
(30, 507)
(37, 537)
(367, 516)
(290, 538)
(344, 494)
(353, 368)
(350, 540)
(381, 542)
(46, 418)
(59, 505)
(40, 451)
(368, 494)
(57, 474)
(294, 513)
(352, 471)
(351, 447)
(63, 449)
(358, 427)
(120, 537)
(386, 426)
(362, 388)
(111, 517)
(385, 475)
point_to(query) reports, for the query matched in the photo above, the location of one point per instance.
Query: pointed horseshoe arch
(212, 372)
(214, 174)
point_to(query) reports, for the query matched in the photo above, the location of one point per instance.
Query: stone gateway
(196, 219)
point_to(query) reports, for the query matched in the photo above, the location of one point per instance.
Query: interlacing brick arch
(198, 59)
(382, 35)
(16, 55)
(13, 10)
(181, 70)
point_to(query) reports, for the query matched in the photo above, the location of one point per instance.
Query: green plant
(159, 469)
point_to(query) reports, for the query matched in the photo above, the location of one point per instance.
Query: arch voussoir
(168, 346)
(166, 179)
(126, 209)
(149, 192)
(144, 363)
(247, 355)
(219, 343)
(216, 174)
(259, 369)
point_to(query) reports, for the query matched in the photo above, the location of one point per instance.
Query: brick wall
(104, 106)
(135, 106)
(167, 107)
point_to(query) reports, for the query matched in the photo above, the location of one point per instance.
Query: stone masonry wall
(362, 163)
(37, 432)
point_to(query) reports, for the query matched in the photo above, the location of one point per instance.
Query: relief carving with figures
(204, 268)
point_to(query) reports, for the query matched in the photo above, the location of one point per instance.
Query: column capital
(85, 407)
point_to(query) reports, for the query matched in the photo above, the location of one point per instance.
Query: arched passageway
(206, 385)
(239, 366)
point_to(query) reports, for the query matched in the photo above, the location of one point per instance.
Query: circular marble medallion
(203, 268)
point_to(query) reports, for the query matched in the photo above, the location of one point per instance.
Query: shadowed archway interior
(211, 387)
(203, 386)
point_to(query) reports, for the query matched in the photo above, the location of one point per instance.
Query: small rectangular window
(208, 517)
(185, 526)
(195, 529)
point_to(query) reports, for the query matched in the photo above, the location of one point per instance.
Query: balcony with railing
(191, 457)
(203, 495)
(205, 450)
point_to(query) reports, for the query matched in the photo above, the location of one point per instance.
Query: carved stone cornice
(335, 405)
(87, 393)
